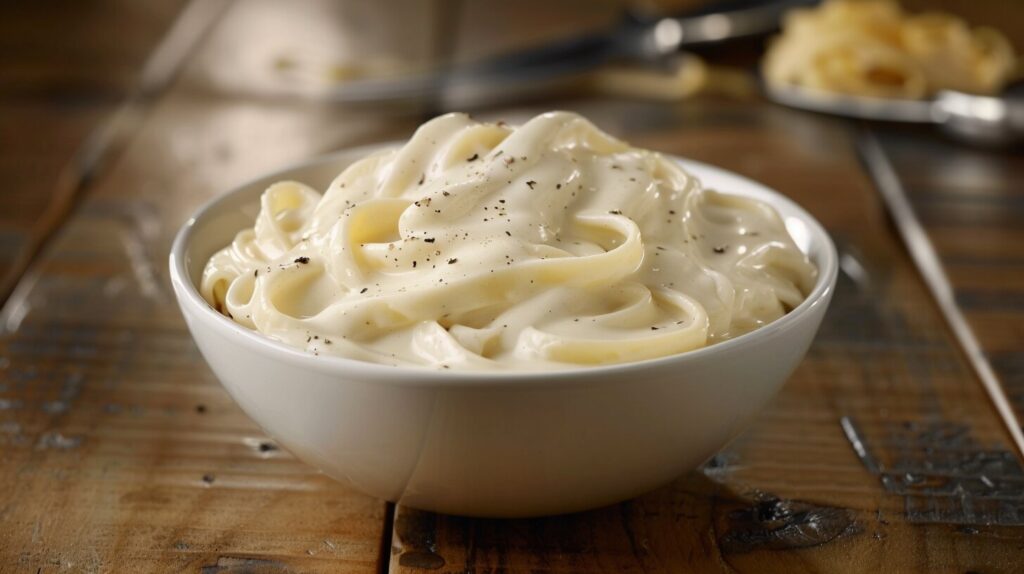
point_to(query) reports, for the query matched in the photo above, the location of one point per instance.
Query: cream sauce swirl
(484, 246)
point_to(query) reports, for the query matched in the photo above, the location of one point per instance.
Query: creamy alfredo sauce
(485, 246)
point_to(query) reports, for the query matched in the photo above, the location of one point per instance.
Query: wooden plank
(36, 140)
(55, 88)
(121, 452)
(972, 205)
(63, 50)
(881, 453)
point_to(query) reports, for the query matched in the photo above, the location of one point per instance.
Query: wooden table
(119, 451)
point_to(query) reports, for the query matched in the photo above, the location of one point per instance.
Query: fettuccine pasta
(483, 246)
(872, 48)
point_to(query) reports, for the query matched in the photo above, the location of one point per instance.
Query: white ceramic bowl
(496, 444)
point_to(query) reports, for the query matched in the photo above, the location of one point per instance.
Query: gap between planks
(161, 67)
(926, 260)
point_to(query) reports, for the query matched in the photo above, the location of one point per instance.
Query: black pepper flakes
(364, 289)
(302, 260)
(473, 157)
(429, 239)
(413, 264)
(531, 183)
(615, 212)
(720, 249)
(452, 260)
(423, 178)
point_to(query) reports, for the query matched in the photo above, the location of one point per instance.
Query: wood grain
(60, 77)
(119, 451)
(934, 487)
(972, 205)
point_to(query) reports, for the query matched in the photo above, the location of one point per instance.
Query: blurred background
(67, 66)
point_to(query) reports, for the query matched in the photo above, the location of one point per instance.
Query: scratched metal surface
(119, 451)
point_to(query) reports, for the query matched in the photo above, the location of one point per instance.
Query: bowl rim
(188, 295)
